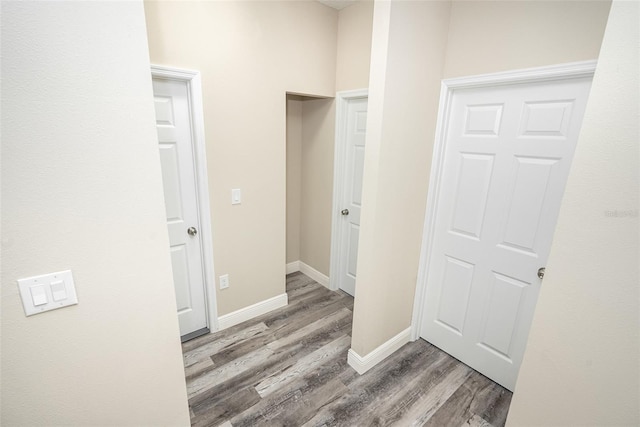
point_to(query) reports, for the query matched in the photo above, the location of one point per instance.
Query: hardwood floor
(289, 368)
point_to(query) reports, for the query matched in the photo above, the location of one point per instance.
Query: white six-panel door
(507, 155)
(351, 192)
(173, 123)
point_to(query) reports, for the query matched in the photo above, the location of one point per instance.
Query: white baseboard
(252, 311)
(292, 267)
(314, 274)
(363, 363)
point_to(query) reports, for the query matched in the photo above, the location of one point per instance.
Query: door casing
(448, 86)
(194, 87)
(339, 164)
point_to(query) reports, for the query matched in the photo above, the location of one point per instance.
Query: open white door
(177, 157)
(506, 158)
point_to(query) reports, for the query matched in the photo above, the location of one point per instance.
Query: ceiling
(337, 4)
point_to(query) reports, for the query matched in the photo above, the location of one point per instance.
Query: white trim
(255, 310)
(570, 70)
(432, 196)
(292, 267)
(194, 87)
(449, 86)
(314, 274)
(363, 363)
(342, 103)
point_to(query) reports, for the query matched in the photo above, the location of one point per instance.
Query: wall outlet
(224, 281)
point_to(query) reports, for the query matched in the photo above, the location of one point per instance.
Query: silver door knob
(344, 211)
(541, 272)
(191, 231)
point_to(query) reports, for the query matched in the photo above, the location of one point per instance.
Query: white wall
(582, 358)
(250, 55)
(81, 190)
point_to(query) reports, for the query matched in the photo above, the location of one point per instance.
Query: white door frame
(194, 90)
(448, 87)
(340, 152)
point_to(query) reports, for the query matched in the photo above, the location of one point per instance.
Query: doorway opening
(310, 124)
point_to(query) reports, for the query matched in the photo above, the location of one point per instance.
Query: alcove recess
(310, 141)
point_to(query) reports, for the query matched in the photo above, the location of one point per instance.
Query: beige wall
(582, 359)
(250, 54)
(355, 25)
(294, 177)
(318, 133)
(82, 190)
(415, 44)
(489, 36)
(407, 59)
(309, 215)
(310, 135)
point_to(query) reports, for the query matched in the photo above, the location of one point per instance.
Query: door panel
(169, 165)
(180, 266)
(506, 161)
(358, 168)
(454, 296)
(501, 316)
(352, 192)
(173, 124)
(471, 194)
(352, 257)
(524, 209)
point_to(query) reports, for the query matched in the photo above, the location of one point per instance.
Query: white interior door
(507, 155)
(351, 192)
(173, 123)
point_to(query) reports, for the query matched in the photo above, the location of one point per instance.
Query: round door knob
(191, 231)
(541, 272)
(344, 211)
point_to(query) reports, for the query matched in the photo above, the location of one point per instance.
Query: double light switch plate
(47, 292)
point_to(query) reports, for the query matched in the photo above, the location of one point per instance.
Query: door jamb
(342, 103)
(448, 87)
(194, 89)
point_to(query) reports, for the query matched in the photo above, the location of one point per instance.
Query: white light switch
(236, 196)
(47, 292)
(58, 291)
(38, 295)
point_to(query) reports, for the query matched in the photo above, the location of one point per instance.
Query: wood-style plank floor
(289, 368)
